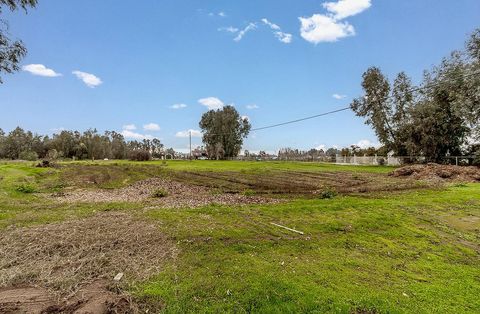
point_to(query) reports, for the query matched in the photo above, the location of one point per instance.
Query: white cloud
(40, 70)
(151, 127)
(329, 27)
(178, 106)
(129, 127)
(229, 29)
(89, 79)
(251, 107)
(321, 147)
(212, 103)
(137, 136)
(272, 25)
(222, 14)
(322, 28)
(283, 37)
(339, 96)
(241, 34)
(183, 134)
(346, 8)
(366, 144)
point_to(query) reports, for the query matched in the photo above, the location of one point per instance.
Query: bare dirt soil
(296, 182)
(69, 267)
(177, 194)
(438, 172)
(94, 298)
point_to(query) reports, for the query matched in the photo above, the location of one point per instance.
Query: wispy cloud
(212, 103)
(184, 134)
(277, 31)
(339, 96)
(329, 27)
(136, 136)
(151, 127)
(40, 70)
(89, 79)
(248, 28)
(178, 106)
(251, 107)
(272, 25)
(129, 127)
(222, 14)
(229, 29)
(367, 144)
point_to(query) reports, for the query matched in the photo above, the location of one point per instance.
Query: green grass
(263, 166)
(390, 254)
(415, 251)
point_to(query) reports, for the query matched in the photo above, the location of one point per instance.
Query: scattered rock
(118, 277)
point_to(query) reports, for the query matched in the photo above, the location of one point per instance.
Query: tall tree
(11, 51)
(223, 132)
(441, 116)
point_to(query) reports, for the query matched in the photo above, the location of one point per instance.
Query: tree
(11, 52)
(223, 132)
(432, 120)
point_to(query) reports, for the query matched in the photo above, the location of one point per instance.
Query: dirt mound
(439, 172)
(93, 298)
(176, 195)
(63, 257)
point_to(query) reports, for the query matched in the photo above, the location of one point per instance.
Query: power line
(415, 89)
(301, 119)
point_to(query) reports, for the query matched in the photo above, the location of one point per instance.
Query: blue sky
(114, 65)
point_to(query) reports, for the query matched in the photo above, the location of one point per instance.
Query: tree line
(25, 145)
(437, 118)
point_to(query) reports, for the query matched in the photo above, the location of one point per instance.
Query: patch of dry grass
(65, 256)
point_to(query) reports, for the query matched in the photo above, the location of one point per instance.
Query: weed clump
(159, 193)
(328, 194)
(249, 192)
(26, 188)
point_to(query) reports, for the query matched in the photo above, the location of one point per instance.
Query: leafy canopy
(223, 132)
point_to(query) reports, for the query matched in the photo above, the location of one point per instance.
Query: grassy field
(398, 246)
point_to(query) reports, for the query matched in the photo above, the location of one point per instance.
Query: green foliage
(28, 155)
(26, 188)
(159, 193)
(433, 120)
(140, 155)
(11, 52)
(223, 132)
(328, 193)
(249, 192)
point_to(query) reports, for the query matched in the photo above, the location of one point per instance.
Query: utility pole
(190, 135)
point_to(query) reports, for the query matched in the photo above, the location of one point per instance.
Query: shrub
(28, 155)
(159, 193)
(328, 193)
(139, 155)
(26, 188)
